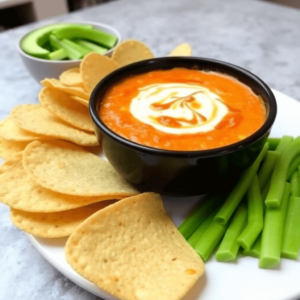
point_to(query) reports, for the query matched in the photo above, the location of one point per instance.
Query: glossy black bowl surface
(181, 173)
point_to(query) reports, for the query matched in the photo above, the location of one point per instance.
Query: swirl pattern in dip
(178, 108)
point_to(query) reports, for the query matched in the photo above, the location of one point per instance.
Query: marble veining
(259, 36)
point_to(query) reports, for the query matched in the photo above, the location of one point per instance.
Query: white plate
(239, 280)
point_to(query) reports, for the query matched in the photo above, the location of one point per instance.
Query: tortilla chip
(95, 67)
(35, 118)
(71, 77)
(9, 148)
(63, 106)
(66, 168)
(20, 192)
(54, 225)
(133, 250)
(11, 132)
(80, 100)
(182, 50)
(131, 51)
(73, 90)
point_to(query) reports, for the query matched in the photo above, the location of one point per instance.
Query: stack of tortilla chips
(54, 185)
(57, 188)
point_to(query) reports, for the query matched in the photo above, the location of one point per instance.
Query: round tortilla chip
(131, 51)
(35, 118)
(71, 77)
(95, 67)
(20, 192)
(73, 90)
(63, 106)
(181, 50)
(9, 148)
(54, 225)
(11, 132)
(133, 250)
(66, 168)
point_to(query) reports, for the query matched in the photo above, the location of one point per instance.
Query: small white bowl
(43, 68)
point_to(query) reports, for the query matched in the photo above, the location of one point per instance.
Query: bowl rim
(260, 133)
(104, 26)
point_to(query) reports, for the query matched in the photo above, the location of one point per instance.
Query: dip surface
(182, 109)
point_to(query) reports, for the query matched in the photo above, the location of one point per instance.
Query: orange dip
(243, 111)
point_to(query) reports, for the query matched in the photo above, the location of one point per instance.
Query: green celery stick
(284, 143)
(279, 175)
(291, 236)
(295, 184)
(54, 42)
(95, 35)
(293, 167)
(79, 48)
(229, 246)
(72, 53)
(286, 140)
(255, 249)
(58, 54)
(255, 216)
(198, 216)
(272, 235)
(273, 143)
(265, 191)
(267, 168)
(198, 233)
(34, 42)
(210, 239)
(91, 46)
(239, 190)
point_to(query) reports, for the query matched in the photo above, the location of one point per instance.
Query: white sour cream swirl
(178, 108)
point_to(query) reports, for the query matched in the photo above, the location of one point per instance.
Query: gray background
(261, 37)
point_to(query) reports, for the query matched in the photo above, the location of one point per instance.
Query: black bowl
(181, 173)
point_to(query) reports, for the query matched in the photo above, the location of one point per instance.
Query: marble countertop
(259, 36)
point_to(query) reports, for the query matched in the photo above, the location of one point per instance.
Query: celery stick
(291, 236)
(95, 35)
(54, 42)
(91, 46)
(198, 216)
(255, 249)
(58, 54)
(34, 43)
(210, 239)
(239, 190)
(255, 216)
(272, 235)
(279, 175)
(284, 143)
(293, 167)
(195, 237)
(229, 246)
(265, 191)
(295, 184)
(84, 51)
(72, 53)
(267, 168)
(273, 143)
